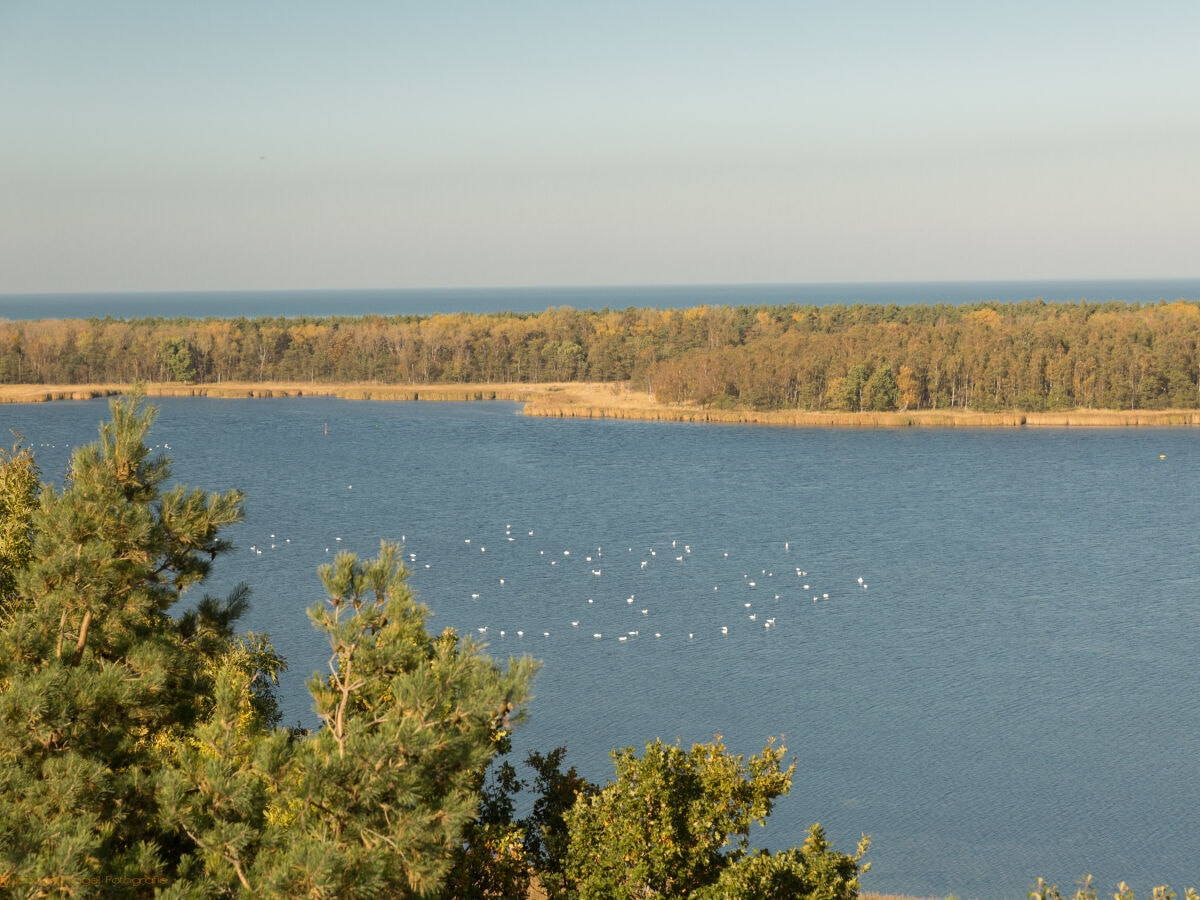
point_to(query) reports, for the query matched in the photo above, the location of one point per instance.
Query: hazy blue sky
(209, 145)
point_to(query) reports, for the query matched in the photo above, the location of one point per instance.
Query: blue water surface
(1010, 691)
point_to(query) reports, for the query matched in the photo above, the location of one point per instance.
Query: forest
(1032, 356)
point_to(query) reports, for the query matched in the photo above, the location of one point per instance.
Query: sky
(153, 146)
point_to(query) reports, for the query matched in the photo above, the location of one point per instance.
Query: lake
(1011, 690)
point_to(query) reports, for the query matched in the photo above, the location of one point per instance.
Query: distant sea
(430, 301)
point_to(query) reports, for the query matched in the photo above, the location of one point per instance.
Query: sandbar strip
(590, 400)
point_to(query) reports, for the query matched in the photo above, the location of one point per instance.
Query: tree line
(991, 356)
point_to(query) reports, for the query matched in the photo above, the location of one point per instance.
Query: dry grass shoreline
(615, 401)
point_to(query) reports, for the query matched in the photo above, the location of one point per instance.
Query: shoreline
(592, 400)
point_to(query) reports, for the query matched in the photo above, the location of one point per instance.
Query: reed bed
(577, 400)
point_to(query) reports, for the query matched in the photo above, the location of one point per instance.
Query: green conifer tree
(96, 678)
(20, 481)
(141, 751)
(375, 802)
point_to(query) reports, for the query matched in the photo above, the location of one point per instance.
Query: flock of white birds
(529, 588)
(523, 587)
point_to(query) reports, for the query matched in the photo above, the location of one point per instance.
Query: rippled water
(1013, 693)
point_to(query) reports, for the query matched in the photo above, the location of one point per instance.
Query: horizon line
(108, 292)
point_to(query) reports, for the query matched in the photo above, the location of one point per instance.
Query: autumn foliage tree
(986, 356)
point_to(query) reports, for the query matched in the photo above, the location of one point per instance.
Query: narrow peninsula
(605, 400)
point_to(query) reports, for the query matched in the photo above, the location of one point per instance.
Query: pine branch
(83, 635)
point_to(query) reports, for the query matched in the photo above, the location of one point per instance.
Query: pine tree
(20, 481)
(141, 750)
(375, 802)
(96, 678)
